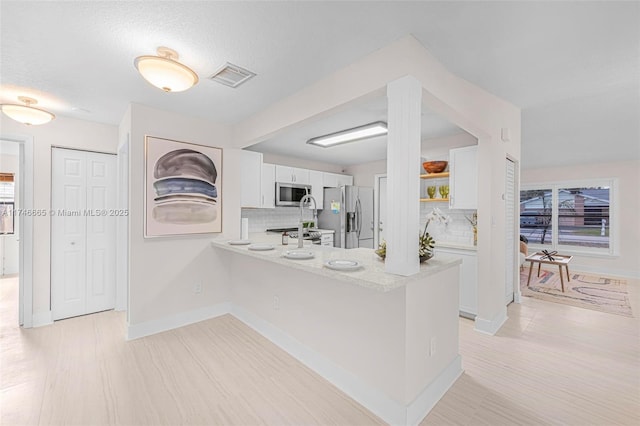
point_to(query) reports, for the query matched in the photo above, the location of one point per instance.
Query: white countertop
(370, 275)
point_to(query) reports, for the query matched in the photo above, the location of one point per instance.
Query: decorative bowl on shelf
(435, 166)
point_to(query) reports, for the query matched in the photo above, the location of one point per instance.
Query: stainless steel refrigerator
(349, 212)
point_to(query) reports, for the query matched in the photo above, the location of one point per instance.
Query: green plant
(425, 245)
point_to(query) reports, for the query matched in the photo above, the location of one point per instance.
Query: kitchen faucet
(315, 216)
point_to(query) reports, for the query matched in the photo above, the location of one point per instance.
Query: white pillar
(404, 98)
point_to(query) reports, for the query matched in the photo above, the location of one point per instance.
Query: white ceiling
(545, 57)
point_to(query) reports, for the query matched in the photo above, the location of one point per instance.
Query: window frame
(614, 218)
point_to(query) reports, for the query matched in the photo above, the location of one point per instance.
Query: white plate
(239, 242)
(260, 247)
(342, 265)
(299, 254)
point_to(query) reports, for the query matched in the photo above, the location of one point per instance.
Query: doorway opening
(16, 228)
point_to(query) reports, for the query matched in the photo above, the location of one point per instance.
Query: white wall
(164, 270)
(364, 174)
(302, 163)
(628, 174)
(9, 249)
(63, 132)
(438, 148)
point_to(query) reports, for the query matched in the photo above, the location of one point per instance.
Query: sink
(299, 254)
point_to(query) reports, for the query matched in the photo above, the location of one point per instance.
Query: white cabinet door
(82, 235)
(316, 180)
(345, 180)
(288, 174)
(468, 280)
(335, 180)
(268, 185)
(330, 180)
(463, 178)
(300, 175)
(284, 174)
(326, 239)
(250, 179)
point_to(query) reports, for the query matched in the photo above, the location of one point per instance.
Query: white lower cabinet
(326, 238)
(468, 279)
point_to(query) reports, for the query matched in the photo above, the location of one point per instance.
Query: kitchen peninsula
(390, 342)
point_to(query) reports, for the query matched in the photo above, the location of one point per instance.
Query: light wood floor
(549, 364)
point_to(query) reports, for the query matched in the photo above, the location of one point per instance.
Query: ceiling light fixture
(370, 130)
(27, 114)
(165, 72)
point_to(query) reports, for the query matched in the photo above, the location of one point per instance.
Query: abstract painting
(182, 188)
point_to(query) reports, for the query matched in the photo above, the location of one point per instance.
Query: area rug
(585, 291)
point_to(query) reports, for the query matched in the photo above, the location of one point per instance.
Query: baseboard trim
(430, 396)
(148, 328)
(42, 318)
(373, 400)
(491, 326)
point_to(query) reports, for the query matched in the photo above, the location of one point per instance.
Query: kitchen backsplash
(457, 231)
(280, 217)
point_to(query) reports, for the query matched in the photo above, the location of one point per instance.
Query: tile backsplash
(280, 217)
(457, 231)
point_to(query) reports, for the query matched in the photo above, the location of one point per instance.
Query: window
(574, 216)
(7, 191)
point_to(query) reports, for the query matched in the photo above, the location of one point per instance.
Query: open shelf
(433, 199)
(435, 175)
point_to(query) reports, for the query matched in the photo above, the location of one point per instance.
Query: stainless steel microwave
(290, 194)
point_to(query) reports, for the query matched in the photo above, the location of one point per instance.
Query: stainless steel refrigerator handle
(343, 213)
(358, 216)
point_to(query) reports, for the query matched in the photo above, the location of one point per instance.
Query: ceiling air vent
(232, 75)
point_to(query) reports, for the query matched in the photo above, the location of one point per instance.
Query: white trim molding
(41, 319)
(491, 326)
(373, 400)
(148, 328)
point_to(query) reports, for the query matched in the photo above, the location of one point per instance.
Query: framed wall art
(183, 183)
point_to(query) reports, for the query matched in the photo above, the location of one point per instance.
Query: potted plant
(425, 240)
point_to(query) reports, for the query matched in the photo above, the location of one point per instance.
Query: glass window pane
(535, 215)
(583, 217)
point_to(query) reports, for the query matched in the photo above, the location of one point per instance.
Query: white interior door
(510, 234)
(101, 232)
(82, 232)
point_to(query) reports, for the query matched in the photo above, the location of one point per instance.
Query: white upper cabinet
(463, 178)
(335, 180)
(268, 185)
(345, 180)
(288, 174)
(251, 179)
(316, 179)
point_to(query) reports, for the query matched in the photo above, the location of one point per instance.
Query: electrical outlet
(276, 303)
(197, 287)
(432, 346)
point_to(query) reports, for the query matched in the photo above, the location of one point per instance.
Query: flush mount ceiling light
(350, 135)
(165, 72)
(27, 114)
